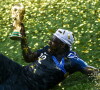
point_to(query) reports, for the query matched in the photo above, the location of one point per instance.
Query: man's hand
(96, 74)
(92, 72)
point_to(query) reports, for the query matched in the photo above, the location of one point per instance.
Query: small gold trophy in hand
(18, 12)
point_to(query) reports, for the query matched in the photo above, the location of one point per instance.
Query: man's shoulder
(75, 58)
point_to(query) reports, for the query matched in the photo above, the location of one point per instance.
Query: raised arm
(18, 12)
(27, 54)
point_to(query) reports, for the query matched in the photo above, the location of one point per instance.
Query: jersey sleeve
(79, 63)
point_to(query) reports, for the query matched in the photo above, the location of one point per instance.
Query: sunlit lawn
(42, 19)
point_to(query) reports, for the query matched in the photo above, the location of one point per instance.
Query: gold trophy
(18, 12)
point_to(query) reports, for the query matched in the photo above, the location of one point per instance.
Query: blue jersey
(47, 71)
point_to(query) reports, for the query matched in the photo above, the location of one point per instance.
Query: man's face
(55, 45)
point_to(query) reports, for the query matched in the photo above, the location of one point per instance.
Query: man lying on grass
(49, 65)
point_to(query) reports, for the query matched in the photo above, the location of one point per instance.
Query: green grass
(77, 81)
(42, 18)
